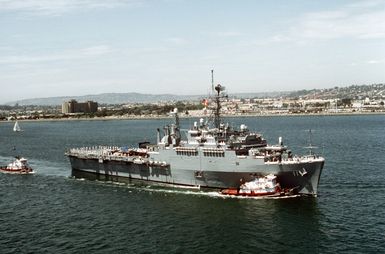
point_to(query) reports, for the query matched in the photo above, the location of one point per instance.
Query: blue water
(51, 212)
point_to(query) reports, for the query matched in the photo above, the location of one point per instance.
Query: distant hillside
(121, 98)
(374, 91)
(105, 98)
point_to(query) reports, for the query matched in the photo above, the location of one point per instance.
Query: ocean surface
(51, 212)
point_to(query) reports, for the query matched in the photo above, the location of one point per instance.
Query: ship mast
(217, 116)
(217, 100)
(310, 146)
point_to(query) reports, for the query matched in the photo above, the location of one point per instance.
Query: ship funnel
(280, 142)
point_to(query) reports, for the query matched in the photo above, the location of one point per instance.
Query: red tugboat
(19, 166)
(260, 186)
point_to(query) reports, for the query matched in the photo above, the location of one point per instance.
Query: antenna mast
(217, 96)
(212, 80)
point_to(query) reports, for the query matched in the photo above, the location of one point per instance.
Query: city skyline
(78, 47)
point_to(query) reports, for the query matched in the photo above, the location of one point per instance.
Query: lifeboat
(19, 166)
(260, 186)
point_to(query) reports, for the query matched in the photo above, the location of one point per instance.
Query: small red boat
(260, 186)
(19, 166)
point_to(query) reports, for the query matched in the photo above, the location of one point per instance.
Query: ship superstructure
(217, 156)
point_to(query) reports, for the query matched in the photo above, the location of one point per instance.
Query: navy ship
(213, 155)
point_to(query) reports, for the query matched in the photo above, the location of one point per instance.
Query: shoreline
(159, 117)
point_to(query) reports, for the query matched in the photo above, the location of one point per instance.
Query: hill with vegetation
(374, 91)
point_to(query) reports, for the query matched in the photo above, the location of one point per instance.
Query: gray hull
(203, 170)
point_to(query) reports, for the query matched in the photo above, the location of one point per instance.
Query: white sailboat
(16, 127)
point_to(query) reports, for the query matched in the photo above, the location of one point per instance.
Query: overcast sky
(79, 47)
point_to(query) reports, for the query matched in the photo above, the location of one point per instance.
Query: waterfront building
(73, 106)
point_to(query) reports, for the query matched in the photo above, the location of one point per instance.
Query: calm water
(50, 212)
